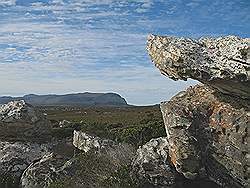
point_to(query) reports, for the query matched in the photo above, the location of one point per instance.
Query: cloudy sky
(65, 46)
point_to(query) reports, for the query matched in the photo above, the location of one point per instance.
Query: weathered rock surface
(85, 142)
(151, 164)
(21, 122)
(223, 63)
(95, 167)
(206, 129)
(208, 136)
(152, 168)
(15, 157)
(50, 168)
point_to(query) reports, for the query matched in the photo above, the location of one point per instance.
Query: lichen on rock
(151, 164)
(207, 125)
(207, 137)
(15, 157)
(223, 63)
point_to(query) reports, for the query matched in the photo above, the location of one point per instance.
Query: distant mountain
(78, 99)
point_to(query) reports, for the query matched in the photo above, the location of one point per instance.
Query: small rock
(65, 123)
(42, 173)
(85, 142)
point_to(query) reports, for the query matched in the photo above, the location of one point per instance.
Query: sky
(71, 46)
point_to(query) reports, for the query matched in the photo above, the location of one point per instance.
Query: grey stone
(15, 157)
(222, 63)
(97, 162)
(48, 169)
(86, 142)
(152, 164)
(208, 135)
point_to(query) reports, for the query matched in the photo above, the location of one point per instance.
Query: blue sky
(65, 46)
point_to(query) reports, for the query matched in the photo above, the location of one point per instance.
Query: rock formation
(152, 167)
(208, 136)
(207, 130)
(24, 136)
(95, 166)
(19, 121)
(15, 157)
(222, 63)
(151, 163)
(207, 126)
(50, 168)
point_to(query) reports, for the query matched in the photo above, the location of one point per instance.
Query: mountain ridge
(71, 99)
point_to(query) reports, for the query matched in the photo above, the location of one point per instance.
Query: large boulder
(50, 168)
(223, 63)
(208, 137)
(207, 125)
(152, 168)
(19, 121)
(15, 157)
(152, 164)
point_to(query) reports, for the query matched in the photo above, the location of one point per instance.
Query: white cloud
(7, 2)
(96, 45)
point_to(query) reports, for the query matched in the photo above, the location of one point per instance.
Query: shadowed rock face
(151, 163)
(15, 157)
(223, 63)
(208, 137)
(25, 136)
(207, 130)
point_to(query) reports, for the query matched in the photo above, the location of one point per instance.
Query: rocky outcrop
(25, 136)
(208, 137)
(152, 167)
(97, 166)
(15, 157)
(151, 164)
(222, 63)
(19, 121)
(207, 126)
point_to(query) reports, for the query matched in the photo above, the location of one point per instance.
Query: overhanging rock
(207, 125)
(222, 63)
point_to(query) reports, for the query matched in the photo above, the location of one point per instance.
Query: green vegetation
(134, 125)
(96, 169)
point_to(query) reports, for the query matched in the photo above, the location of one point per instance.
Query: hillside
(78, 99)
